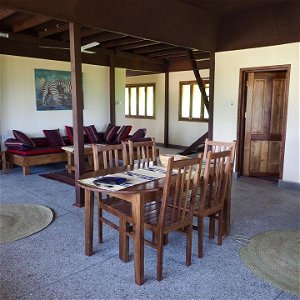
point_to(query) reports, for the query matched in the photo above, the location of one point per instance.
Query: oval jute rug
(275, 257)
(21, 220)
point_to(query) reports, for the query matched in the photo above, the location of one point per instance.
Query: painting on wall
(53, 90)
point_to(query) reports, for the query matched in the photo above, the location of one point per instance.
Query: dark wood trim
(211, 96)
(4, 13)
(112, 91)
(166, 118)
(242, 110)
(77, 108)
(29, 23)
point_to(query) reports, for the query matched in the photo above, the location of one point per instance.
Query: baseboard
(289, 185)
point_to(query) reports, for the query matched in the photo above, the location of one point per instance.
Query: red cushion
(92, 134)
(69, 131)
(23, 138)
(17, 145)
(54, 137)
(112, 134)
(122, 134)
(36, 151)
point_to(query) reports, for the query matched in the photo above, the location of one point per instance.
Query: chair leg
(160, 250)
(123, 240)
(200, 237)
(220, 227)
(189, 238)
(212, 222)
(100, 223)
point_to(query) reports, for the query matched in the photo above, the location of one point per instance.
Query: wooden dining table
(137, 195)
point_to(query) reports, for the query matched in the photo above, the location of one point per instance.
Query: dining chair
(142, 153)
(217, 146)
(213, 189)
(109, 156)
(173, 211)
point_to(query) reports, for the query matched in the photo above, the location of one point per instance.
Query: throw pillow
(23, 138)
(112, 134)
(109, 127)
(140, 133)
(54, 137)
(92, 134)
(69, 132)
(16, 145)
(122, 134)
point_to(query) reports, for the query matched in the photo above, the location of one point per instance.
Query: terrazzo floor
(51, 264)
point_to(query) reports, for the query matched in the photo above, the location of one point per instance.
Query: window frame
(137, 86)
(190, 118)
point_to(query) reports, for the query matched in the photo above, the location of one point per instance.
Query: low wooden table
(4, 162)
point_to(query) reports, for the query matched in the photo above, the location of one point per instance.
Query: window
(191, 104)
(139, 100)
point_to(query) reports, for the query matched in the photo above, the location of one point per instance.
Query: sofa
(25, 151)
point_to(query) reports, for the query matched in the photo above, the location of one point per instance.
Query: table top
(145, 187)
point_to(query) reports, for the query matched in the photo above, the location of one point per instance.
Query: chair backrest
(179, 193)
(218, 146)
(215, 181)
(107, 156)
(141, 152)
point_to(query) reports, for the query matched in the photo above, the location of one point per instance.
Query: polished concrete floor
(51, 264)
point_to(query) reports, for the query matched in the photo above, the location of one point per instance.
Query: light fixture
(90, 45)
(4, 35)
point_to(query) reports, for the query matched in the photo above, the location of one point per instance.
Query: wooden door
(263, 144)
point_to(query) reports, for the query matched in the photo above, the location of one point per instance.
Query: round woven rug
(275, 257)
(21, 220)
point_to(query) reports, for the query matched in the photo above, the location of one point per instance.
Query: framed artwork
(53, 90)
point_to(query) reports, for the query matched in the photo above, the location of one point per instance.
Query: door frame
(242, 101)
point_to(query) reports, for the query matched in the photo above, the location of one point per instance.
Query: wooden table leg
(89, 222)
(138, 220)
(69, 164)
(4, 162)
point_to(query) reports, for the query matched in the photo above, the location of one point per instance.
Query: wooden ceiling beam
(148, 49)
(168, 52)
(85, 32)
(53, 30)
(102, 37)
(135, 45)
(29, 23)
(4, 13)
(121, 41)
(186, 65)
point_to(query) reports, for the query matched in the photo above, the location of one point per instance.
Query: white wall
(228, 65)
(180, 132)
(18, 110)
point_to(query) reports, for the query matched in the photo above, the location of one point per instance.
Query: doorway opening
(262, 116)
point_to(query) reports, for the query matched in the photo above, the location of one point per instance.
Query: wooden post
(211, 96)
(166, 127)
(112, 90)
(77, 108)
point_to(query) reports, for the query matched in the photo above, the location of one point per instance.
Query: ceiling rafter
(53, 30)
(148, 49)
(135, 45)
(29, 23)
(4, 13)
(102, 37)
(120, 41)
(167, 52)
(85, 32)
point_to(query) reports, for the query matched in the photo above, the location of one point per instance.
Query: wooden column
(211, 95)
(112, 90)
(166, 125)
(77, 107)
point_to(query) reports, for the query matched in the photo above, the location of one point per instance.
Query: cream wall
(18, 110)
(228, 65)
(180, 132)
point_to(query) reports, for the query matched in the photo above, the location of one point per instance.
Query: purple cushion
(122, 134)
(69, 132)
(23, 138)
(54, 137)
(16, 145)
(109, 127)
(140, 133)
(112, 134)
(92, 134)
